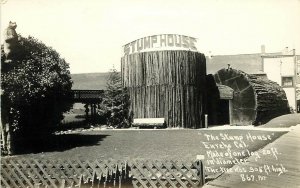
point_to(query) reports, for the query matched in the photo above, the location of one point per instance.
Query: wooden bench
(149, 123)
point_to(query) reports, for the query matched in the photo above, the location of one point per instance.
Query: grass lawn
(177, 144)
(73, 116)
(135, 144)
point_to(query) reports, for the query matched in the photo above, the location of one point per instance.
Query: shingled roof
(90, 81)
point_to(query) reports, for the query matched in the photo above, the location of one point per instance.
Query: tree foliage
(36, 86)
(115, 103)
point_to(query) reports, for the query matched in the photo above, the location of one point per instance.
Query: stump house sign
(161, 42)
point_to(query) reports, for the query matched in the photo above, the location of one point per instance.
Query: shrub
(115, 104)
(36, 88)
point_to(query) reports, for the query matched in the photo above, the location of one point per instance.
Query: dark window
(287, 81)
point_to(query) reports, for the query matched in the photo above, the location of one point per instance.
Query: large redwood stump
(256, 99)
(166, 84)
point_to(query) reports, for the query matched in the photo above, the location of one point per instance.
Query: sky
(89, 34)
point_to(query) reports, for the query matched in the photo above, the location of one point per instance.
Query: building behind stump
(166, 84)
(255, 100)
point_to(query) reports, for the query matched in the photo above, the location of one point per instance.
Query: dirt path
(287, 120)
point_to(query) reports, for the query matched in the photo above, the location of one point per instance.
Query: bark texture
(166, 84)
(256, 99)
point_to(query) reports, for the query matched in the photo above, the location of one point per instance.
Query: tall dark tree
(36, 87)
(115, 103)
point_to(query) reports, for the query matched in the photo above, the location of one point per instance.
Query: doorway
(223, 115)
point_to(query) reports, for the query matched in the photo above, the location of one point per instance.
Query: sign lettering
(163, 41)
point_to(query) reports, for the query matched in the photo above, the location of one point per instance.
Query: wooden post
(86, 106)
(92, 110)
(206, 121)
(95, 111)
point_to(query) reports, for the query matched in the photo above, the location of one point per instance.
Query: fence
(23, 173)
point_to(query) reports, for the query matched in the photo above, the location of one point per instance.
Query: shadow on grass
(61, 142)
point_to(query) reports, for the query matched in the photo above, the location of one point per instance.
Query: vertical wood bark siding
(166, 84)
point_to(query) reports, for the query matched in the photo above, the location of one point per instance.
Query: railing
(23, 173)
(87, 95)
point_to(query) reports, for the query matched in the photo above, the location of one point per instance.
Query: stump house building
(167, 78)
